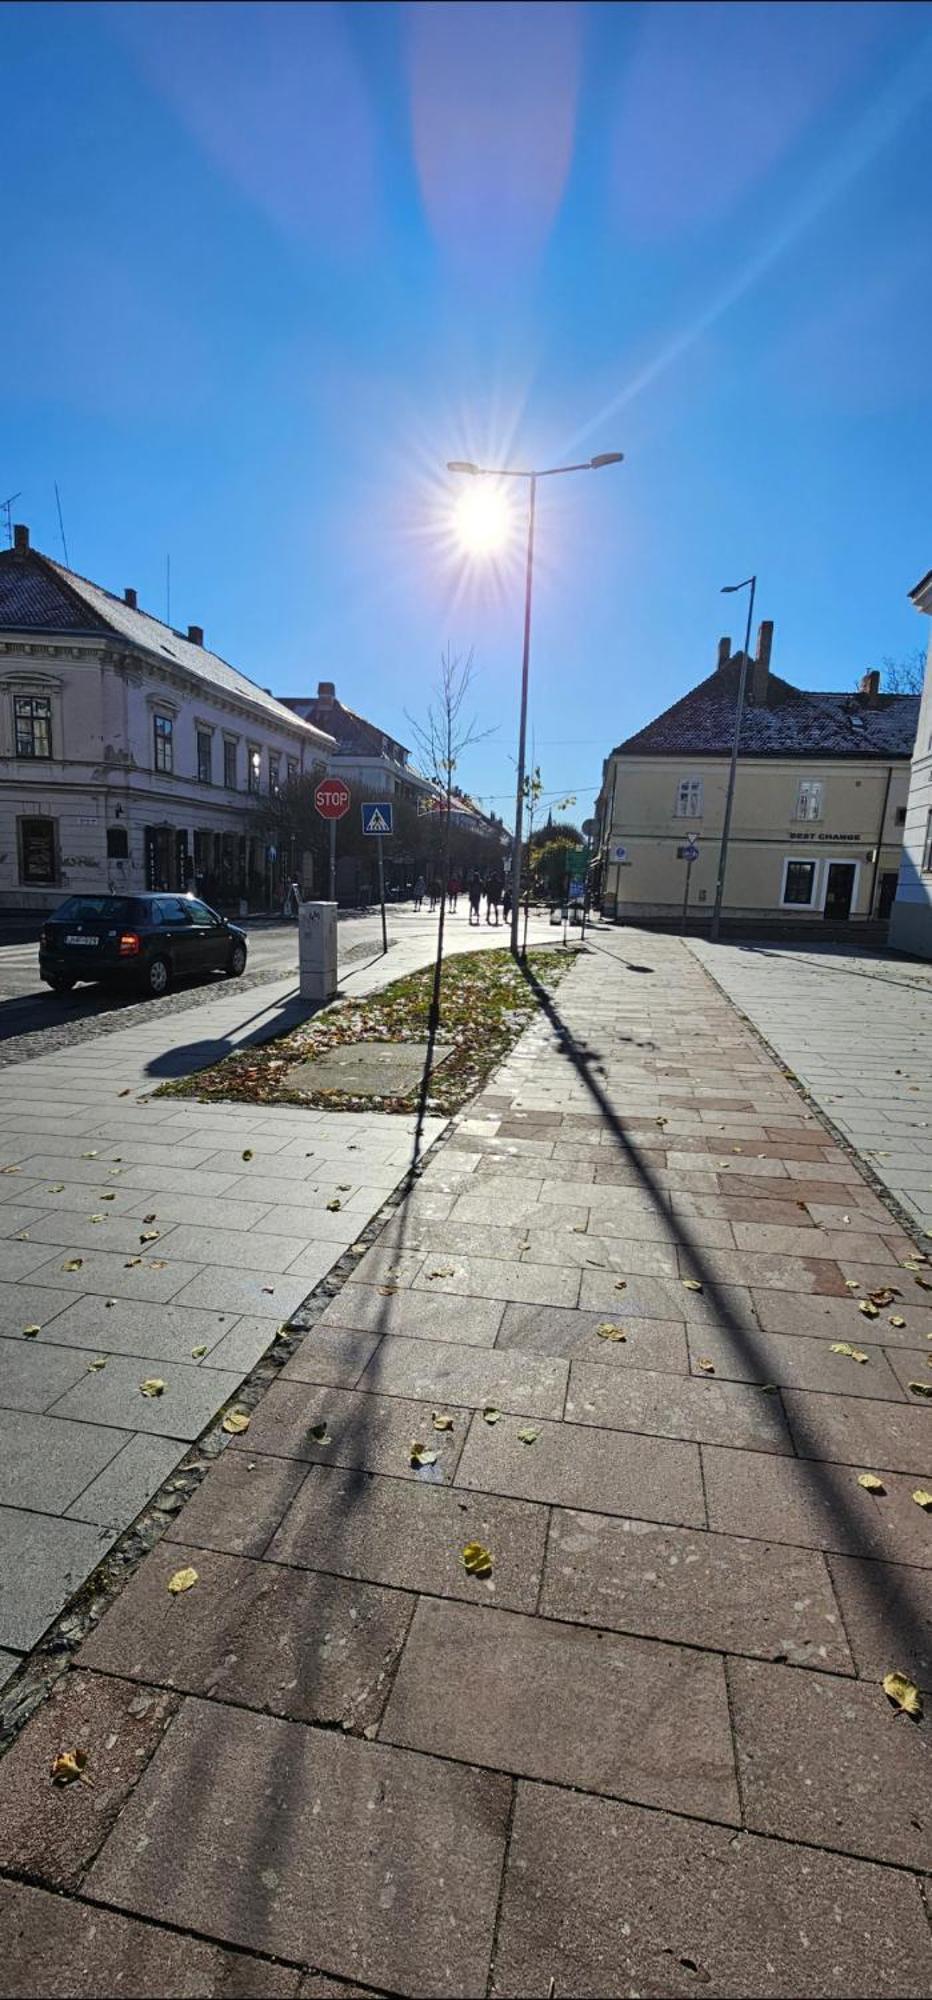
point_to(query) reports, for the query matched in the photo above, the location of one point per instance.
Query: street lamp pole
(750, 583)
(510, 472)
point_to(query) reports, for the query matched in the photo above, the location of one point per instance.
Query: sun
(483, 519)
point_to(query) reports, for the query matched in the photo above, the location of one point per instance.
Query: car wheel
(61, 985)
(157, 977)
(237, 965)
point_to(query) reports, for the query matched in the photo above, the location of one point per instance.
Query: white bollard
(317, 950)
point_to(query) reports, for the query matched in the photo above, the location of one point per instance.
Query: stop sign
(332, 798)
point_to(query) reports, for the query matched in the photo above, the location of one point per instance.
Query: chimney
(196, 635)
(760, 665)
(129, 597)
(869, 687)
(724, 654)
(326, 692)
(20, 540)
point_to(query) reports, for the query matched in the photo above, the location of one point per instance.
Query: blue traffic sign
(378, 818)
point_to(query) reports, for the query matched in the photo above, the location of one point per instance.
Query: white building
(130, 756)
(911, 916)
(373, 763)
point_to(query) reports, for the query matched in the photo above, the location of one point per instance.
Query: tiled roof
(355, 736)
(792, 723)
(38, 594)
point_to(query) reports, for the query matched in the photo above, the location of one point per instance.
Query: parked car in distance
(146, 940)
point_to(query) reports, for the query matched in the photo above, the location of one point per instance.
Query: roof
(792, 722)
(921, 593)
(355, 736)
(38, 594)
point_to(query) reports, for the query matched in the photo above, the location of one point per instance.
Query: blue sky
(265, 269)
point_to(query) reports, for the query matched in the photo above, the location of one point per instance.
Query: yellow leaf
(528, 1435)
(853, 1284)
(59, 1188)
(707, 1366)
(197, 1352)
(609, 1331)
(692, 1284)
(29, 1332)
(923, 1499)
(152, 1386)
(926, 1283)
(441, 1271)
(149, 1236)
(93, 1367)
(903, 1693)
(920, 1388)
(334, 1204)
(73, 1264)
(420, 1456)
(442, 1422)
(107, 1197)
(183, 1579)
(88, 1156)
(235, 1421)
(868, 1308)
(896, 1319)
(871, 1483)
(69, 1766)
(477, 1560)
(845, 1347)
(491, 1414)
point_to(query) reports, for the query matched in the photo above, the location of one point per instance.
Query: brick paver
(649, 1751)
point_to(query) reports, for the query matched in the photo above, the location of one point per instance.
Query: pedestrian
(292, 898)
(493, 895)
(475, 895)
(435, 892)
(453, 889)
(420, 889)
(506, 904)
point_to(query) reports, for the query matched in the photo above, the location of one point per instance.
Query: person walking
(493, 895)
(420, 889)
(475, 895)
(506, 904)
(435, 892)
(453, 890)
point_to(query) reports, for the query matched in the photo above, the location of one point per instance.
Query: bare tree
(441, 740)
(904, 676)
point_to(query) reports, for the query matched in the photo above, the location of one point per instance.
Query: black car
(148, 940)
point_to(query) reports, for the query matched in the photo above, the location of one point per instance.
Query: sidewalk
(168, 1240)
(647, 1751)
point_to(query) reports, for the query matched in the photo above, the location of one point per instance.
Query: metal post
(333, 861)
(382, 892)
(689, 870)
(516, 858)
(730, 794)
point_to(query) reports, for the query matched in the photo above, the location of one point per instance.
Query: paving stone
(573, 1335)
(604, 1900)
(128, 1483)
(213, 1211)
(45, 1461)
(454, 1695)
(887, 1609)
(569, 1465)
(239, 1504)
(319, 1848)
(795, 1242)
(471, 1322)
(14, 1218)
(439, 1371)
(769, 1271)
(112, 1275)
(33, 1375)
(605, 1253)
(317, 1224)
(668, 1299)
(243, 1346)
(182, 1180)
(53, 1831)
(54, 1949)
(910, 1365)
(833, 1766)
(113, 1395)
(515, 1205)
(111, 1232)
(17, 1260)
(412, 1536)
(387, 1265)
(855, 1431)
(814, 1505)
(839, 1319)
(165, 1331)
(317, 1648)
(708, 1412)
(331, 1354)
(696, 1588)
(490, 1277)
(793, 1362)
(438, 1239)
(258, 1292)
(371, 1432)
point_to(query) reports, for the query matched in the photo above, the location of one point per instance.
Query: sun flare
(483, 518)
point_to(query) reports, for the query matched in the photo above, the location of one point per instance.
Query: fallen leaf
(692, 1284)
(10, 1170)
(152, 1386)
(420, 1455)
(477, 1560)
(150, 1218)
(884, 1295)
(853, 1284)
(157, 1264)
(248, 1153)
(609, 1331)
(707, 1366)
(903, 1693)
(88, 1156)
(358, 1249)
(920, 1388)
(73, 1264)
(69, 1767)
(388, 1291)
(59, 1188)
(197, 1352)
(29, 1332)
(334, 1204)
(95, 1218)
(896, 1319)
(871, 1483)
(441, 1271)
(124, 1093)
(621, 1284)
(923, 1499)
(93, 1367)
(320, 1434)
(844, 1347)
(926, 1283)
(236, 1421)
(491, 1414)
(149, 1236)
(528, 1435)
(441, 1421)
(131, 1263)
(183, 1579)
(868, 1308)
(107, 1197)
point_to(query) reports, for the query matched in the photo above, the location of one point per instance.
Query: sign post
(333, 799)
(689, 853)
(378, 819)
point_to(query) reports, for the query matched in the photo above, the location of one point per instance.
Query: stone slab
(316, 1648)
(823, 1318)
(55, 1949)
(54, 1832)
(814, 1506)
(796, 1363)
(318, 1848)
(373, 1433)
(696, 1588)
(567, 1333)
(472, 1322)
(239, 1505)
(667, 1299)
(336, 1355)
(520, 1694)
(610, 1900)
(708, 1412)
(112, 1275)
(165, 1332)
(113, 1395)
(28, 1305)
(8, 1665)
(257, 1292)
(499, 1278)
(887, 1609)
(856, 1432)
(127, 1484)
(411, 1535)
(33, 1375)
(442, 1372)
(370, 1069)
(609, 1472)
(42, 1562)
(46, 1462)
(835, 1767)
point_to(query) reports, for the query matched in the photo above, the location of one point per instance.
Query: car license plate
(82, 940)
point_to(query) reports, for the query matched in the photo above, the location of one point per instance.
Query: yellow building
(819, 807)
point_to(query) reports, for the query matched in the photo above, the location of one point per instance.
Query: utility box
(317, 950)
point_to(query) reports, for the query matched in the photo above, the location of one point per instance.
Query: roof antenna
(168, 590)
(61, 525)
(6, 507)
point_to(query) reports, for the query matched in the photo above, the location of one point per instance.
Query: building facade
(374, 764)
(819, 807)
(911, 916)
(131, 757)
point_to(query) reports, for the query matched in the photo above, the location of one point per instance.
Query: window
(117, 843)
(899, 817)
(275, 765)
(229, 766)
(689, 798)
(205, 757)
(203, 918)
(164, 743)
(37, 851)
(255, 767)
(927, 850)
(171, 910)
(292, 770)
(98, 910)
(809, 799)
(799, 882)
(33, 713)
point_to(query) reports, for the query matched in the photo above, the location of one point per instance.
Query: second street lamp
(728, 589)
(510, 472)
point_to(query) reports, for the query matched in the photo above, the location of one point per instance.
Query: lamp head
(460, 465)
(605, 458)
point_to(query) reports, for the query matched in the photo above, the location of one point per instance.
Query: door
(171, 914)
(209, 937)
(885, 900)
(839, 890)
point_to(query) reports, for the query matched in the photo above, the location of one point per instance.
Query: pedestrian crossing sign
(377, 817)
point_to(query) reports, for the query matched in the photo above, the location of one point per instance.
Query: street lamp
(510, 472)
(750, 583)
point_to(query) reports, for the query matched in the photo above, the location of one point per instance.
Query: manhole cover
(369, 1069)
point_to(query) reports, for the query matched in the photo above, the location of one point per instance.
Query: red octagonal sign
(332, 798)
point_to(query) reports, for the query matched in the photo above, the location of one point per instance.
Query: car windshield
(95, 909)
